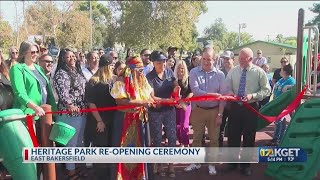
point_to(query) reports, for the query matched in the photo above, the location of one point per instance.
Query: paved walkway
(202, 174)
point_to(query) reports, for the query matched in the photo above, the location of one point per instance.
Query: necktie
(242, 84)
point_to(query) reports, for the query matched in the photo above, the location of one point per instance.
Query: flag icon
(26, 155)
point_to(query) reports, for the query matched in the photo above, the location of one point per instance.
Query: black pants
(146, 142)
(223, 126)
(242, 122)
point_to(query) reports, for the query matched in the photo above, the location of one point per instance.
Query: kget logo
(266, 152)
(275, 154)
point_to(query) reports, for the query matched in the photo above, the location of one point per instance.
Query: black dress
(99, 94)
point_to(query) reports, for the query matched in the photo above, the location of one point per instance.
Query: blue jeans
(280, 127)
(79, 123)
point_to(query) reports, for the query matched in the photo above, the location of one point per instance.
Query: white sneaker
(212, 170)
(192, 167)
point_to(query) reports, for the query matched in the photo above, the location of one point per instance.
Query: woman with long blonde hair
(132, 89)
(100, 123)
(183, 113)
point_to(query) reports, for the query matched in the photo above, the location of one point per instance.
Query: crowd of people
(31, 78)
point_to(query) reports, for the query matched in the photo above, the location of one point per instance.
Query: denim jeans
(280, 127)
(78, 123)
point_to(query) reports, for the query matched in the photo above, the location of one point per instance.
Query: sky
(262, 18)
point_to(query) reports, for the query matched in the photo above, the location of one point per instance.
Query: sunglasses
(258, 53)
(34, 52)
(14, 52)
(47, 61)
(283, 61)
(140, 70)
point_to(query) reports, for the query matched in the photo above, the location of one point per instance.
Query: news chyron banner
(280, 154)
(160, 155)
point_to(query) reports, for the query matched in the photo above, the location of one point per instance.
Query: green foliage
(157, 24)
(102, 30)
(316, 20)
(291, 40)
(5, 34)
(222, 39)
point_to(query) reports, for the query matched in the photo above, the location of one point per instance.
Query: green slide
(14, 137)
(303, 132)
(275, 107)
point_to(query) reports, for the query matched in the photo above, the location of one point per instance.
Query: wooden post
(49, 169)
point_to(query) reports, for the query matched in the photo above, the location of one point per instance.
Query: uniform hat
(157, 56)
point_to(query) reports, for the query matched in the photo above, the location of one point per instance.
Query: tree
(230, 39)
(291, 40)
(222, 39)
(102, 26)
(316, 20)
(5, 34)
(75, 32)
(157, 24)
(43, 18)
(68, 27)
(216, 31)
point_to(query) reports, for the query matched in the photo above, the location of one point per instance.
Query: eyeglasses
(140, 70)
(258, 53)
(283, 61)
(34, 52)
(47, 61)
(14, 52)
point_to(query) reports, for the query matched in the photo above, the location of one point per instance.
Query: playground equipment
(304, 128)
(14, 137)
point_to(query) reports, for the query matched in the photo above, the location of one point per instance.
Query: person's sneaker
(212, 170)
(192, 167)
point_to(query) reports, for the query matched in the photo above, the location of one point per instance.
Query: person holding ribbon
(164, 84)
(210, 81)
(134, 90)
(98, 96)
(250, 83)
(31, 87)
(69, 83)
(183, 112)
(281, 86)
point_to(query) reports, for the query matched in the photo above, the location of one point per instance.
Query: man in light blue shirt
(145, 57)
(206, 80)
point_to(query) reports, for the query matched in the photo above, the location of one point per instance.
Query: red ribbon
(29, 122)
(290, 108)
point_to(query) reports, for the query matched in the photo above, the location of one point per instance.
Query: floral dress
(130, 135)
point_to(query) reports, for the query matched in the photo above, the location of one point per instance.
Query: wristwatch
(220, 115)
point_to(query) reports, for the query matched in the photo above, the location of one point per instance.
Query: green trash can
(14, 136)
(62, 133)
